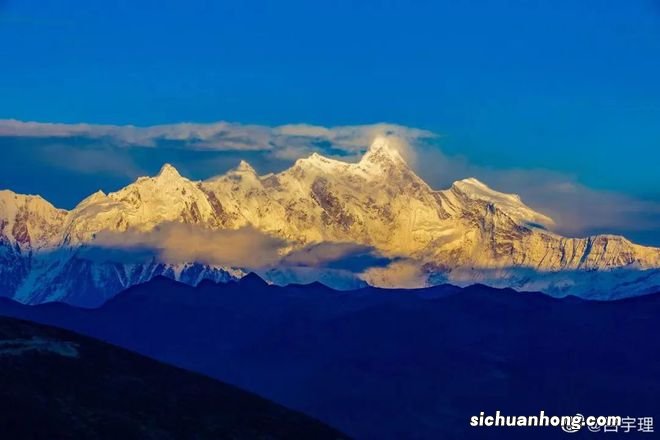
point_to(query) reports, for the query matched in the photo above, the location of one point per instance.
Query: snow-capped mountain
(465, 234)
(42, 259)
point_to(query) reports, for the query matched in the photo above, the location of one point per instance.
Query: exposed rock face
(467, 233)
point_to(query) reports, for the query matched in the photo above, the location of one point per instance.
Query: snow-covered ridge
(463, 234)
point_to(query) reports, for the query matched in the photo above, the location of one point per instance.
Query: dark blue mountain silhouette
(56, 384)
(393, 364)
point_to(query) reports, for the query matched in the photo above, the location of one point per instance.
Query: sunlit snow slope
(465, 234)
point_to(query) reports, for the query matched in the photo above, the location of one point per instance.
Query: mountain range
(389, 363)
(346, 224)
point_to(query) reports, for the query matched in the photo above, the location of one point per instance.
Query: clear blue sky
(563, 85)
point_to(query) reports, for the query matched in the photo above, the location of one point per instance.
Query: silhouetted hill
(55, 384)
(394, 364)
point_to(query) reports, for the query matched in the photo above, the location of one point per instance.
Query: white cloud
(353, 137)
(286, 141)
(180, 242)
(401, 274)
(246, 247)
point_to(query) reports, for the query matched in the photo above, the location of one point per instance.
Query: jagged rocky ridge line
(465, 234)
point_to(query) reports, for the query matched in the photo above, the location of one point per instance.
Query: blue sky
(550, 92)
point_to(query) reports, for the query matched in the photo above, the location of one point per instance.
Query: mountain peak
(318, 161)
(168, 171)
(477, 189)
(10, 198)
(472, 181)
(93, 198)
(252, 280)
(512, 204)
(384, 150)
(245, 167)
